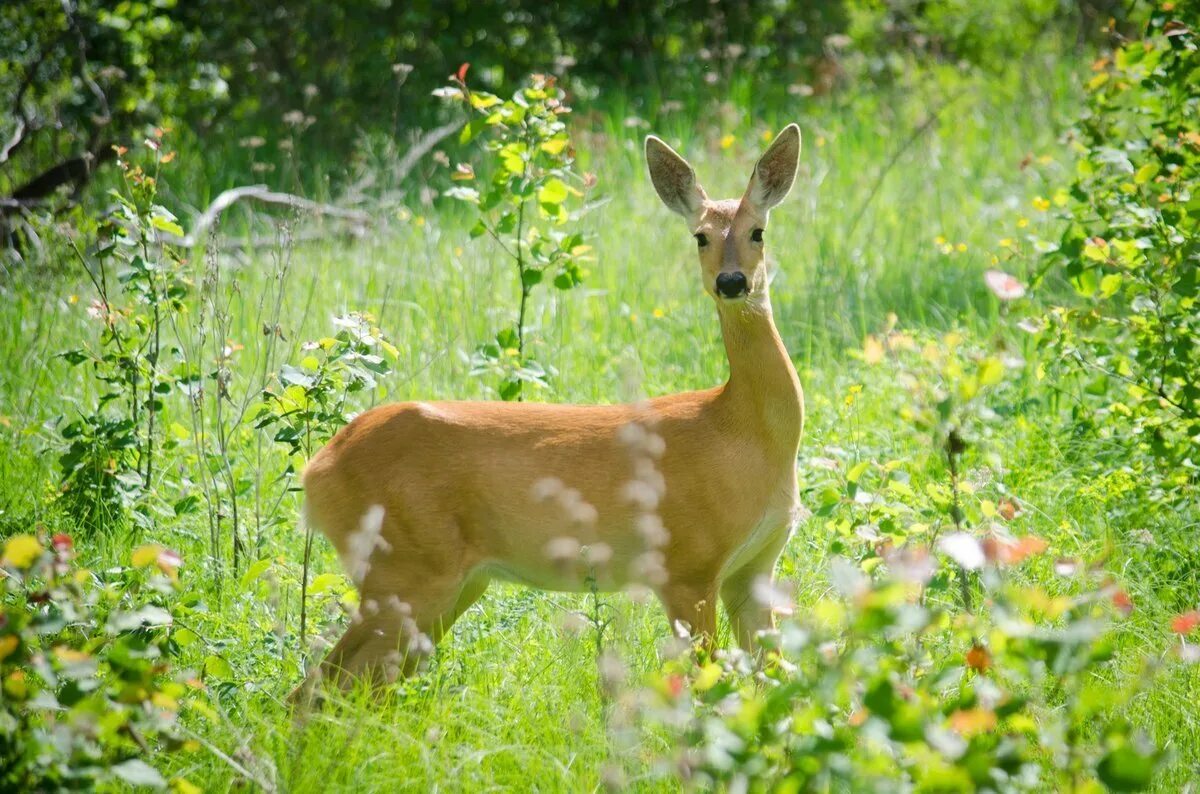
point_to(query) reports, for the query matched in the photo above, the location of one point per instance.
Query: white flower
(964, 549)
(1004, 286)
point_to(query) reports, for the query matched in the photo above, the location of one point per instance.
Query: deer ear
(775, 171)
(674, 180)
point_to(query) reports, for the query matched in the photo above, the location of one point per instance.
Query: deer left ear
(775, 171)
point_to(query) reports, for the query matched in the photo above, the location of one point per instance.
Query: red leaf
(1183, 624)
(979, 659)
(1122, 602)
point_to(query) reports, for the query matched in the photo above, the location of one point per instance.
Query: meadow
(907, 197)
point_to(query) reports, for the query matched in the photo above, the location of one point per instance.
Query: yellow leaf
(554, 145)
(183, 786)
(709, 675)
(872, 350)
(145, 556)
(21, 550)
(8, 644)
(969, 722)
(991, 371)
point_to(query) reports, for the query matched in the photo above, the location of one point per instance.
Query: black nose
(732, 285)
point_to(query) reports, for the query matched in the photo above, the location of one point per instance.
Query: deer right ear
(674, 180)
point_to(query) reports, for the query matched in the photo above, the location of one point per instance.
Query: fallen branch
(259, 193)
(423, 146)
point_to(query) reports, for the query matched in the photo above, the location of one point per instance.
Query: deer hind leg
(410, 597)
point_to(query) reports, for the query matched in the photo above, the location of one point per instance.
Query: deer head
(729, 232)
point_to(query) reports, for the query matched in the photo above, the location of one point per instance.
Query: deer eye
(702, 239)
(756, 235)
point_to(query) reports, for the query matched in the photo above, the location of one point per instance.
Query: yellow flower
(727, 141)
(73, 299)
(1022, 223)
(939, 240)
(1040, 204)
(145, 556)
(960, 247)
(1006, 242)
(21, 550)
(820, 141)
(767, 136)
(659, 313)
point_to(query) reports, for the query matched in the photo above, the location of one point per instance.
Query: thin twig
(895, 158)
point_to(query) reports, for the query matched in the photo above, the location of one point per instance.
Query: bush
(1132, 251)
(89, 691)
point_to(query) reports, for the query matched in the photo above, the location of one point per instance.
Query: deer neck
(763, 392)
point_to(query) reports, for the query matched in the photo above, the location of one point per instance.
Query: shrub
(1131, 250)
(89, 691)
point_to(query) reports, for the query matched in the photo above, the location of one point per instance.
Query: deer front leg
(694, 608)
(747, 610)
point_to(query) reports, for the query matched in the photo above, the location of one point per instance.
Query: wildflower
(21, 550)
(964, 549)
(1004, 286)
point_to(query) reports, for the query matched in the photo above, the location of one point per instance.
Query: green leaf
(324, 582)
(170, 227)
(216, 667)
(1125, 769)
(1110, 285)
(553, 192)
(139, 773)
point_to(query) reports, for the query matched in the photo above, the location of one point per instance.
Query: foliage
(78, 78)
(531, 184)
(86, 660)
(1131, 250)
(110, 455)
(883, 689)
(309, 404)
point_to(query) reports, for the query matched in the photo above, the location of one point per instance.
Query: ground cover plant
(986, 277)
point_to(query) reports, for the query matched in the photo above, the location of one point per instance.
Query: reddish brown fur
(457, 481)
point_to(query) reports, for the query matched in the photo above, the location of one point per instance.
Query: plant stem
(953, 450)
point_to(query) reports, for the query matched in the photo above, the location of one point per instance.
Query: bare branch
(259, 193)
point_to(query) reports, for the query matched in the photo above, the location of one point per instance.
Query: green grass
(512, 700)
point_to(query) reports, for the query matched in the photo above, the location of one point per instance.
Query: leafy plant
(1132, 249)
(89, 690)
(878, 691)
(111, 449)
(523, 206)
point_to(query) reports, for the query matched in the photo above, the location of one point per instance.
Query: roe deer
(427, 501)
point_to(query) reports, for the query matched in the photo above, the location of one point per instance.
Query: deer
(427, 502)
